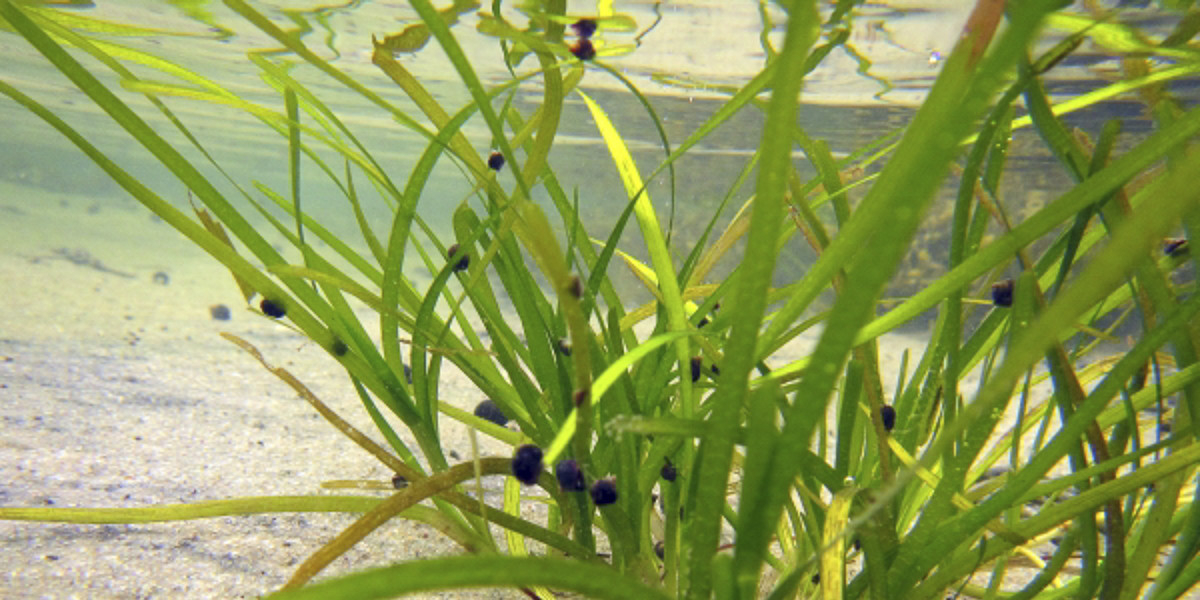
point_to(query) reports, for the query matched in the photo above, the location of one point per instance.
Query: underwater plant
(712, 469)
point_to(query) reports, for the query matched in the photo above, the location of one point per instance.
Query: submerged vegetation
(710, 467)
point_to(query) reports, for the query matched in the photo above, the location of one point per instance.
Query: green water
(681, 55)
(128, 374)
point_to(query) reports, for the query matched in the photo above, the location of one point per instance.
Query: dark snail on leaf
(1175, 246)
(604, 492)
(272, 308)
(495, 161)
(584, 27)
(575, 287)
(1002, 293)
(569, 476)
(527, 464)
(583, 50)
(490, 411)
(668, 471)
(462, 263)
(888, 415)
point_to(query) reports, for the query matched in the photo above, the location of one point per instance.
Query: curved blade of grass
(1116, 89)
(106, 52)
(588, 579)
(1117, 37)
(394, 505)
(214, 227)
(250, 505)
(235, 507)
(425, 323)
(662, 135)
(466, 71)
(293, 129)
(334, 419)
(107, 27)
